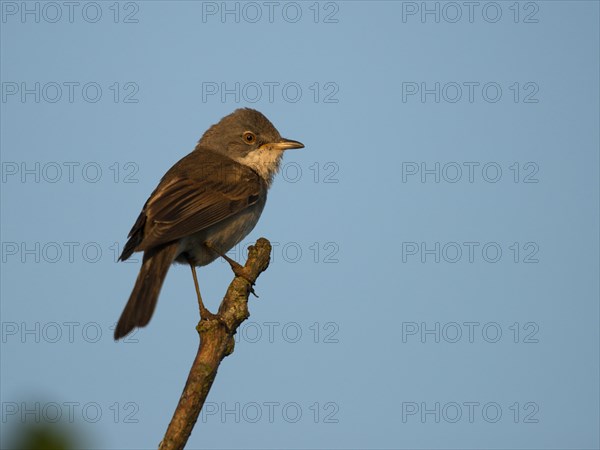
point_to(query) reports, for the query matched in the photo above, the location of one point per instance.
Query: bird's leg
(236, 267)
(205, 314)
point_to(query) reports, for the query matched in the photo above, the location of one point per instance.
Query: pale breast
(223, 236)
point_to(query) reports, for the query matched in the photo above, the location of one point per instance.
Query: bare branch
(216, 342)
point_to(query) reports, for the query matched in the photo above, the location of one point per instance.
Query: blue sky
(434, 281)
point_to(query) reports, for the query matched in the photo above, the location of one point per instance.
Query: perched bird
(203, 206)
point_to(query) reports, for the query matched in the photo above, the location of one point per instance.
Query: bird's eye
(249, 137)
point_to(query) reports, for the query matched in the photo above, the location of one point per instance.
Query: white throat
(265, 162)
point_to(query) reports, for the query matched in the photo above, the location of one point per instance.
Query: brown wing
(192, 197)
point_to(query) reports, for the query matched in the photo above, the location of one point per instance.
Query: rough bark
(216, 342)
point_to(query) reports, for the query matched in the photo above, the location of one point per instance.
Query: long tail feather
(143, 298)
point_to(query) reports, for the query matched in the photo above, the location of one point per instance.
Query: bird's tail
(143, 298)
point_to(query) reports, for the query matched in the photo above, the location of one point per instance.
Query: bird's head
(249, 138)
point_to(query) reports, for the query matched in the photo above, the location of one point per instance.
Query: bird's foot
(236, 267)
(207, 316)
(242, 272)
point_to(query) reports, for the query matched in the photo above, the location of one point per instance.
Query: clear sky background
(434, 281)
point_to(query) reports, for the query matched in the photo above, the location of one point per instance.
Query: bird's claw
(206, 316)
(236, 267)
(240, 271)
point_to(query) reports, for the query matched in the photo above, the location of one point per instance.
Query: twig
(216, 342)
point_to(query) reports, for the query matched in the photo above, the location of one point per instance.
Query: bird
(204, 205)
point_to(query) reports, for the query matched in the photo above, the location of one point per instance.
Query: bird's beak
(287, 144)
